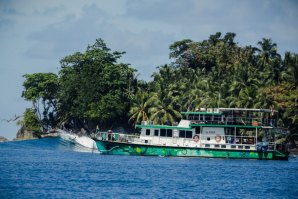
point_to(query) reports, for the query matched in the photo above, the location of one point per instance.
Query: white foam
(81, 140)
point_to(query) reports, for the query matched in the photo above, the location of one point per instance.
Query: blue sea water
(54, 168)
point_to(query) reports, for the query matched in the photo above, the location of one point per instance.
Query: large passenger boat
(212, 133)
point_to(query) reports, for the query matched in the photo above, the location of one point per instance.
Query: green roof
(200, 113)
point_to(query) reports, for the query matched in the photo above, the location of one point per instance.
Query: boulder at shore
(3, 139)
(24, 134)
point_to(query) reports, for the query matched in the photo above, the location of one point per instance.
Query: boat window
(207, 145)
(188, 134)
(197, 130)
(156, 132)
(163, 132)
(147, 131)
(233, 146)
(240, 147)
(223, 146)
(247, 147)
(182, 134)
(216, 118)
(208, 118)
(208, 138)
(169, 132)
(216, 146)
(185, 134)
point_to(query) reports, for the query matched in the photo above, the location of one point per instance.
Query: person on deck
(110, 135)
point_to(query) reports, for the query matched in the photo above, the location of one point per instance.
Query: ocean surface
(55, 168)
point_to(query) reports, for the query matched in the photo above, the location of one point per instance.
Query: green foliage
(40, 85)
(219, 73)
(268, 52)
(139, 110)
(290, 74)
(93, 87)
(42, 89)
(30, 121)
(285, 96)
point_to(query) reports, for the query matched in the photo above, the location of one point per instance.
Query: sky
(35, 35)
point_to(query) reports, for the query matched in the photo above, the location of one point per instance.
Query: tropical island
(93, 88)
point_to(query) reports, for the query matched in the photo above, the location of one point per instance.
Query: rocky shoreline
(24, 134)
(3, 139)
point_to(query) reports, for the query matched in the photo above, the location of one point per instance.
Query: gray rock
(3, 139)
(24, 134)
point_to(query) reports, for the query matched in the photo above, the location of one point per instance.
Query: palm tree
(189, 92)
(270, 60)
(246, 98)
(139, 110)
(264, 100)
(291, 68)
(163, 110)
(244, 86)
(268, 51)
(208, 94)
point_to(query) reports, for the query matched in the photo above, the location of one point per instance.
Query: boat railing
(237, 142)
(231, 120)
(116, 137)
(231, 139)
(241, 140)
(147, 122)
(225, 140)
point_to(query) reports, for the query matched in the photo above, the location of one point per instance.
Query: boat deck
(247, 143)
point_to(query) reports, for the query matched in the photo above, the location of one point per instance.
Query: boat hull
(118, 148)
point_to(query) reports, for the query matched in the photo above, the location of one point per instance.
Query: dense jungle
(94, 88)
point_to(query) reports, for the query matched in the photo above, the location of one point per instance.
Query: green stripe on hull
(114, 148)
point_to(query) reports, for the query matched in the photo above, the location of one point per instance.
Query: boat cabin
(215, 128)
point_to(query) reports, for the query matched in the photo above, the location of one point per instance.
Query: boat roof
(163, 127)
(248, 109)
(200, 113)
(219, 111)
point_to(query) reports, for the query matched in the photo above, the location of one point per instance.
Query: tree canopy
(42, 90)
(93, 87)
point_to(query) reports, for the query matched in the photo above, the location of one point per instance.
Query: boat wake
(80, 143)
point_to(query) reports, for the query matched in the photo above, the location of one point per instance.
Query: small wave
(69, 145)
(78, 143)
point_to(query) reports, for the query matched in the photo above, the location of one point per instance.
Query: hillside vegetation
(94, 88)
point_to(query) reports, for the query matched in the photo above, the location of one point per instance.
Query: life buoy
(218, 138)
(196, 138)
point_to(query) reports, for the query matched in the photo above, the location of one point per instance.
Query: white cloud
(145, 45)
